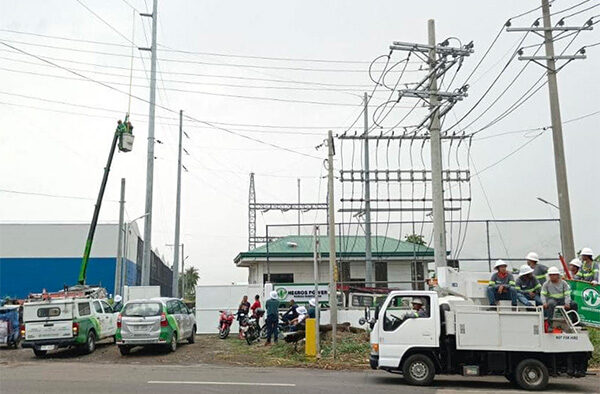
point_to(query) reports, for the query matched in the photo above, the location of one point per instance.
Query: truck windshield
(142, 309)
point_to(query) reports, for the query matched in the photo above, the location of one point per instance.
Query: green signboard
(587, 298)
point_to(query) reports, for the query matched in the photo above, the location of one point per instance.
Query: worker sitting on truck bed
(556, 292)
(589, 268)
(574, 267)
(528, 287)
(501, 286)
(539, 269)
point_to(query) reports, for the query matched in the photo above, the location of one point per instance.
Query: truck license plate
(47, 347)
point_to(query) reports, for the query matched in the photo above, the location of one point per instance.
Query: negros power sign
(587, 298)
(300, 292)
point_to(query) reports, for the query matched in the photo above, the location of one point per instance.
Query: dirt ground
(208, 349)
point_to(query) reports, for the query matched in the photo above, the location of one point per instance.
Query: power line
(105, 22)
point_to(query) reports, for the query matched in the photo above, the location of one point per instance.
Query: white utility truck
(456, 335)
(67, 319)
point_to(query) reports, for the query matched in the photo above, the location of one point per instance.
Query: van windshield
(142, 309)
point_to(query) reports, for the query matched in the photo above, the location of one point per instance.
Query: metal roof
(346, 246)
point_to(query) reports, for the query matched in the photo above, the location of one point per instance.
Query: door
(174, 310)
(187, 318)
(381, 273)
(403, 325)
(111, 317)
(102, 319)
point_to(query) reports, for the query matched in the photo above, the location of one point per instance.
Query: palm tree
(190, 279)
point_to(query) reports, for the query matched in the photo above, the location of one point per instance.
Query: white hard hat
(417, 300)
(274, 295)
(302, 310)
(312, 302)
(118, 298)
(576, 263)
(587, 252)
(532, 256)
(553, 271)
(499, 263)
(525, 269)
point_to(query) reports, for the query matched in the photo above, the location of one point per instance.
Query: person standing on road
(528, 287)
(589, 271)
(501, 285)
(272, 306)
(539, 270)
(556, 292)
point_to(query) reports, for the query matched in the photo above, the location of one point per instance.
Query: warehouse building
(37, 256)
(397, 264)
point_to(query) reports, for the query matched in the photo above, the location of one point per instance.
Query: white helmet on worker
(576, 263)
(118, 298)
(312, 302)
(532, 256)
(587, 252)
(302, 310)
(274, 295)
(553, 271)
(417, 300)
(500, 263)
(525, 269)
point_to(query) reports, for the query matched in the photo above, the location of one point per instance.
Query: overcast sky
(56, 127)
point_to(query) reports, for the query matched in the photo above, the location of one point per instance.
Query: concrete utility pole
(175, 286)
(119, 265)
(317, 249)
(368, 253)
(150, 158)
(299, 212)
(182, 271)
(437, 187)
(332, 256)
(566, 226)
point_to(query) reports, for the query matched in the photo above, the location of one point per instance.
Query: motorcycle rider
(242, 312)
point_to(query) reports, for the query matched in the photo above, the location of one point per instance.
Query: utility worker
(501, 285)
(272, 320)
(574, 267)
(312, 308)
(528, 287)
(539, 270)
(121, 127)
(589, 267)
(418, 310)
(556, 292)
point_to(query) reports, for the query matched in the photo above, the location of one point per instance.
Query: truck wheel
(39, 353)
(418, 370)
(90, 343)
(124, 350)
(531, 374)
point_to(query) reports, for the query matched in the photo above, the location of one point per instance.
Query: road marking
(221, 383)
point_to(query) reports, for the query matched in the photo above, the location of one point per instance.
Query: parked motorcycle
(251, 326)
(282, 328)
(225, 322)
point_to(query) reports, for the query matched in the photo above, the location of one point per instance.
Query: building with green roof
(290, 260)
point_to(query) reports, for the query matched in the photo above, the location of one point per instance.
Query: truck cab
(67, 322)
(454, 335)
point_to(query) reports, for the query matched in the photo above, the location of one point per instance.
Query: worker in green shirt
(272, 306)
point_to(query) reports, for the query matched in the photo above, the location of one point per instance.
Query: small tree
(415, 239)
(190, 279)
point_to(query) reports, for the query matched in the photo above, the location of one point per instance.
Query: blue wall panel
(21, 276)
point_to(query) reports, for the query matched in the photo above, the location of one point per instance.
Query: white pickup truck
(456, 336)
(67, 322)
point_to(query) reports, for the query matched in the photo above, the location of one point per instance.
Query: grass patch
(594, 334)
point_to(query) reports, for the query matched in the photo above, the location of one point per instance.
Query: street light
(548, 203)
(125, 249)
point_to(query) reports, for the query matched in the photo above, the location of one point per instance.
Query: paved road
(70, 377)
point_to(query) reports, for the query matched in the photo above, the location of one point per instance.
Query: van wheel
(124, 350)
(531, 374)
(40, 353)
(192, 337)
(418, 370)
(172, 346)
(90, 343)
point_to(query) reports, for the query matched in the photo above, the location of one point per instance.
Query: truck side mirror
(377, 309)
(367, 313)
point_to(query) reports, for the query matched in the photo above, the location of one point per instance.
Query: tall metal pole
(332, 256)
(299, 212)
(368, 253)
(268, 260)
(182, 271)
(439, 221)
(150, 158)
(119, 263)
(566, 226)
(175, 286)
(316, 273)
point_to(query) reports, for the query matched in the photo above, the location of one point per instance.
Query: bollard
(311, 343)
